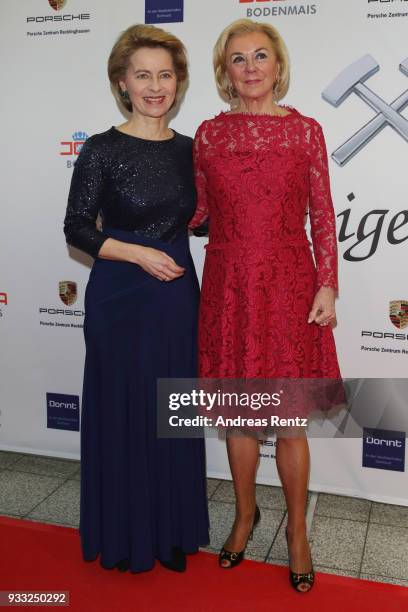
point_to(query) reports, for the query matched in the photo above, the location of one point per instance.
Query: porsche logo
(57, 5)
(68, 292)
(399, 313)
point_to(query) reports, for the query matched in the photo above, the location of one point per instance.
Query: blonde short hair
(140, 36)
(247, 26)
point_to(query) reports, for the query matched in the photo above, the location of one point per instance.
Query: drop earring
(276, 84)
(231, 92)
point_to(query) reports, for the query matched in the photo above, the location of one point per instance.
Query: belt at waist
(280, 243)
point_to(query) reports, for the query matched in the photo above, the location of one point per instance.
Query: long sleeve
(84, 201)
(201, 212)
(321, 211)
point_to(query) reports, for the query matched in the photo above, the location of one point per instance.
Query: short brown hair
(247, 26)
(139, 36)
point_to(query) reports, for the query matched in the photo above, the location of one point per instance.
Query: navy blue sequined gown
(140, 494)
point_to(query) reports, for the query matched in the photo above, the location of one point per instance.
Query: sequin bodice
(143, 186)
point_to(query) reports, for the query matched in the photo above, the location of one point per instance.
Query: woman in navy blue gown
(142, 497)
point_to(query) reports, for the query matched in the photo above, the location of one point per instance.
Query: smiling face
(251, 65)
(150, 81)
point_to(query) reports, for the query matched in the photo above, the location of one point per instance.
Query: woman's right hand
(157, 263)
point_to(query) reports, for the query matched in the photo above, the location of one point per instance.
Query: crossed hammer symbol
(351, 80)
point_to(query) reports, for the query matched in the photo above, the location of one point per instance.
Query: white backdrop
(56, 93)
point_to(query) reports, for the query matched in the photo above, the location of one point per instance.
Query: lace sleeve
(201, 212)
(322, 218)
(84, 201)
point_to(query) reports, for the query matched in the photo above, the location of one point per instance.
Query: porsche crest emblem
(57, 5)
(68, 292)
(399, 313)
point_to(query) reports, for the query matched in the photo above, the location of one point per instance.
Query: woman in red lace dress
(267, 308)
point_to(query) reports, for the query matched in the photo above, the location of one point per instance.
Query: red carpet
(39, 557)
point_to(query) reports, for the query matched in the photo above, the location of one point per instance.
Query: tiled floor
(349, 536)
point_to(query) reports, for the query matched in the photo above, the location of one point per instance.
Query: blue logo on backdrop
(164, 11)
(63, 411)
(384, 449)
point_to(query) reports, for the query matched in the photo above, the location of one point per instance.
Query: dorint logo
(384, 449)
(277, 8)
(164, 11)
(57, 5)
(68, 292)
(352, 81)
(63, 411)
(399, 313)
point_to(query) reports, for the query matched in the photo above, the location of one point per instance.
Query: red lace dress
(257, 178)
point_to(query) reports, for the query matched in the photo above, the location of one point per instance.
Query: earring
(231, 92)
(124, 94)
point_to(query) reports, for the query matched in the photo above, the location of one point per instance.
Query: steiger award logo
(399, 313)
(68, 292)
(57, 5)
(352, 82)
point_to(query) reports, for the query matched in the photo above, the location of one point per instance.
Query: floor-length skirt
(140, 494)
